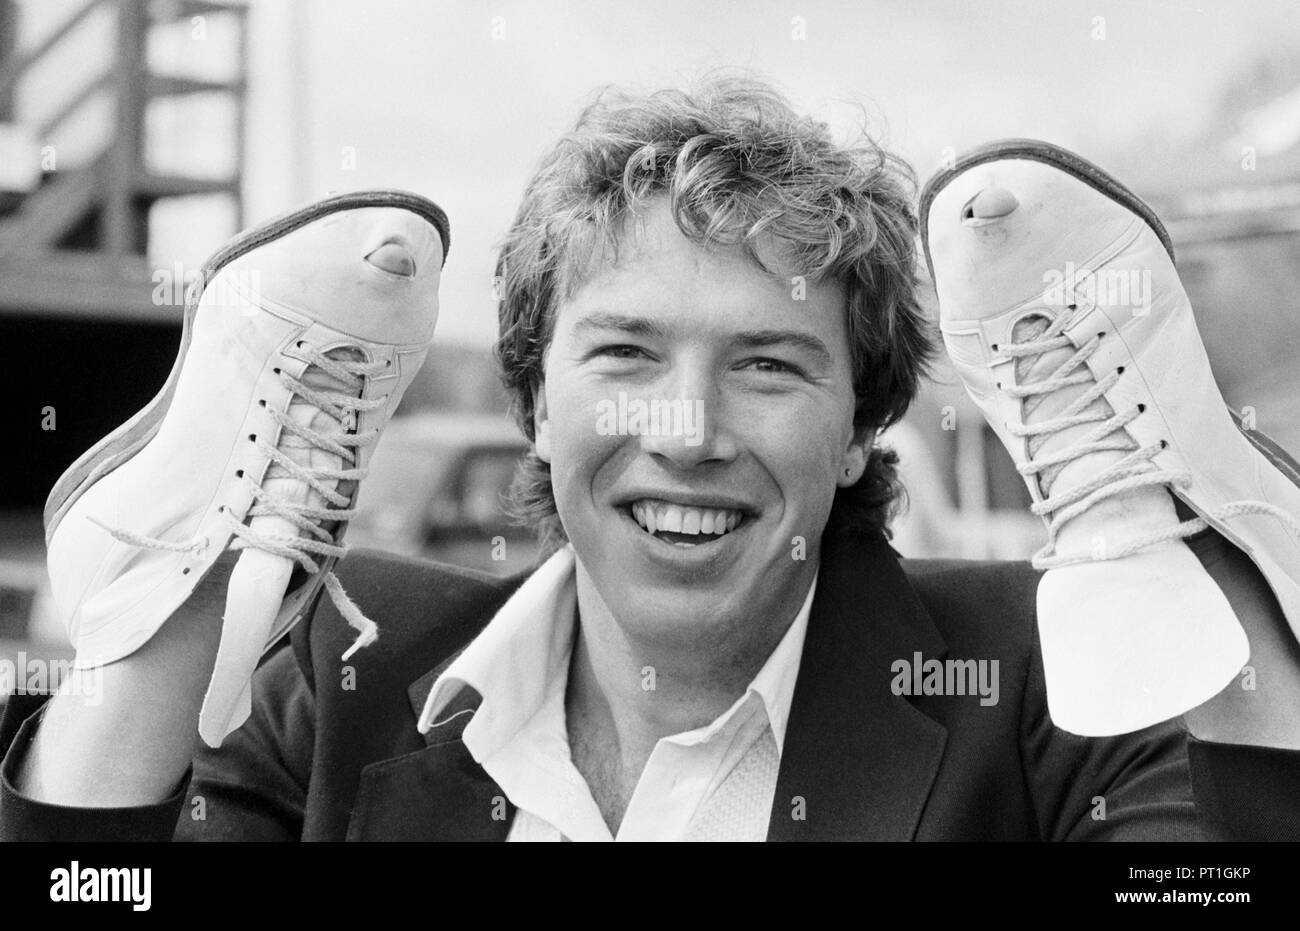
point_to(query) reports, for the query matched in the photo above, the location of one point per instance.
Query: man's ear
(541, 424)
(854, 461)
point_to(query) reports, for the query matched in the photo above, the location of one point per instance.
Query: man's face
(768, 368)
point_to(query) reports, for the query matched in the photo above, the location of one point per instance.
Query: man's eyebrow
(633, 326)
(796, 338)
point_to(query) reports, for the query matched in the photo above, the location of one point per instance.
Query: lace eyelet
(1142, 408)
(239, 473)
(1120, 370)
(1164, 444)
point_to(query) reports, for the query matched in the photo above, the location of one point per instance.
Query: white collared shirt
(520, 665)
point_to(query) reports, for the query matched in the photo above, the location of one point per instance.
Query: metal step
(162, 11)
(47, 214)
(151, 186)
(163, 85)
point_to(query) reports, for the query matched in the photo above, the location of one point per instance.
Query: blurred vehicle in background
(437, 487)
(986, 518)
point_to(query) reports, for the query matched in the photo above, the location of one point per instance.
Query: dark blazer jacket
(332, 752)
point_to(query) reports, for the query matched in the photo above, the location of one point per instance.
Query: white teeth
(691, 520)
(660, 515)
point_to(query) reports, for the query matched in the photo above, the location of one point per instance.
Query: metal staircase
(77, 244)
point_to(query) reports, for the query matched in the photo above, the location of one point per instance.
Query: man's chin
(672, 618)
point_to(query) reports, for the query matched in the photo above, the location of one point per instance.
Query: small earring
(848, 472)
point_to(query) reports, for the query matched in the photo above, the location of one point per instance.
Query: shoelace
(342, 407)
(1133, 471)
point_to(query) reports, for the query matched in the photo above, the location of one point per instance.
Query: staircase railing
(114, 185)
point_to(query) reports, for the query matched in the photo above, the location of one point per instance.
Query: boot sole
(128, 439)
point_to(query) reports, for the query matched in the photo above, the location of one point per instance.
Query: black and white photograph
(788, 420)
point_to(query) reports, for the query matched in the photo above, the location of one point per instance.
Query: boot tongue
(305, 453)
(1108, 524)
(317, 378)
(1043, 407)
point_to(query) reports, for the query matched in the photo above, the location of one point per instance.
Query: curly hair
(738, 167)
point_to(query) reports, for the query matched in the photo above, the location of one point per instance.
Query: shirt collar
(515, 657)
(524, 650)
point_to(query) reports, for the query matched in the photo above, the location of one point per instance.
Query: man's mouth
(685, 525)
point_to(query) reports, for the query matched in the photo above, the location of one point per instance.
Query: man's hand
(1260, 707)
(134, 746)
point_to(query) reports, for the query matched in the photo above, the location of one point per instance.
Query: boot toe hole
(393, 258)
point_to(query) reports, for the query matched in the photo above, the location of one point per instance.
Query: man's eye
(775, 366)
(622, 351)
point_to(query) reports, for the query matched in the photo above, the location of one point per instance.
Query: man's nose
(692, 426)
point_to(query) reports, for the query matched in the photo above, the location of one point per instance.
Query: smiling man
(705, 253)
(711, 648)
(695, 558)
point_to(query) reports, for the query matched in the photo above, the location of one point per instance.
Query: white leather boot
(299, 338)
(1063, 314)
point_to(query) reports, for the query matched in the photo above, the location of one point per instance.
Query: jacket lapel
(438, 793)
(858, 761)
